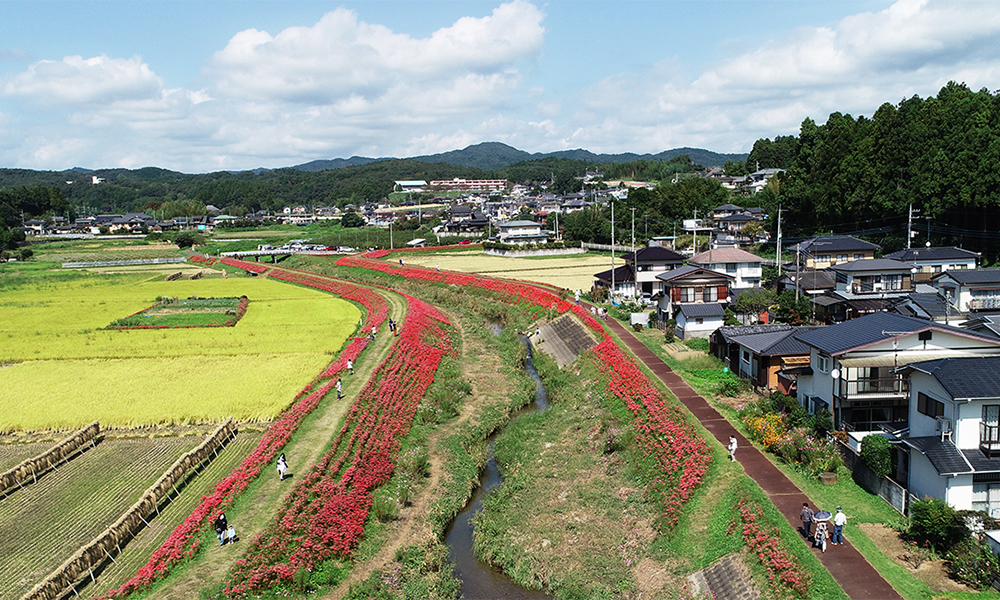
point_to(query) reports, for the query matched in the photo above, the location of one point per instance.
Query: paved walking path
(849, 568)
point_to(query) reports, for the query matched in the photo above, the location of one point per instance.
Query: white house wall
(924, 479)
(959, 492)
(922, 425)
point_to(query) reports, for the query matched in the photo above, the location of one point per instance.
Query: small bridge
(277, 254)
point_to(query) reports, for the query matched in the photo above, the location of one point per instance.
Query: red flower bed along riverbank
(787, 577)
(183, 542)
(324, 515)
(664, 433)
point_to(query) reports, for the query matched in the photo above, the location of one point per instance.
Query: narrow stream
(480, 580)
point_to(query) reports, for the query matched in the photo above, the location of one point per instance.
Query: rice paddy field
(62, 370)
(573, 272)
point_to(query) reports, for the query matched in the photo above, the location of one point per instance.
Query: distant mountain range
(494, 155)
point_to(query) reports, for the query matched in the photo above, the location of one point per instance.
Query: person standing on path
(339, 395)
(839, 520)
(350, 366)
(374, 331)
(220, 528)
(807, 519)
(282, 467)
(732, 448)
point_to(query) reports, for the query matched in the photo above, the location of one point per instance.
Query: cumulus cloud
(76, 80)
(912, 47)
(340, 58)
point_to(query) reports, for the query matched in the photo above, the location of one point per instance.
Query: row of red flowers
(785, 574)
(199, 258)
(245, 265)
(324, 516)
(183, 542)
(384, 253)
(664, 432)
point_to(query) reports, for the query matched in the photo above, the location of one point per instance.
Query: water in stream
(480, 580)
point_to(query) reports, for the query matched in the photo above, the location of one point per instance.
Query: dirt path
(305, 450)
(412, 527)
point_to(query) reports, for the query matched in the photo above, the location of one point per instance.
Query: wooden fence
(32, 468)
(109, 543)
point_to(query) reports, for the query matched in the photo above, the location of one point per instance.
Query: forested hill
(495, 155)
(941, 154)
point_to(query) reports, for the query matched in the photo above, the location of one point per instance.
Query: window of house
(710, 294)
(823, 363)
(730, 267)
(858, 256)
(929, 406)
(746, 356)
(841, 258)
(699, 321)
(893, 282)
(986, 493)
(823, 258)
(687, 294)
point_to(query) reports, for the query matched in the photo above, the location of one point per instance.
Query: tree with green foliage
(875, 453)
(187, 239)
(352, 219)
(934, 523)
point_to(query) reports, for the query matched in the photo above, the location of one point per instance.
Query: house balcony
(869, 388)
(989, 440)
(992, 303)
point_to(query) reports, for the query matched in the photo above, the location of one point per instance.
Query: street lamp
(835, 375)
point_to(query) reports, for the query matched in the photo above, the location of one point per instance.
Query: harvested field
(575, 272)
(45, 522)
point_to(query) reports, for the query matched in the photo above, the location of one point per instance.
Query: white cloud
(75, 80)
(912, 47)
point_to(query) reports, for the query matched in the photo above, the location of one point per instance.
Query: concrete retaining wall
(108, 544)
(30, 469)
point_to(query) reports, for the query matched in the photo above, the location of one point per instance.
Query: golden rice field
(573, 272)
(63, 371)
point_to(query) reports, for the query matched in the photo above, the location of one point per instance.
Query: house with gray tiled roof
(825, 251)
(743, 266)
(931, 261)
(638, 275)
(689, 285)
(761, 352)
(970, 290)
(953, 435)
(853, 365)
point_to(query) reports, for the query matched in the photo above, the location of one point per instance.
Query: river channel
(480, 580)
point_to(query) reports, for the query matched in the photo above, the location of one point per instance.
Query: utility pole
(777, 254)
(909, 226)
(390, 234)
(695, 247)
(635, 284)
(798, 272)
(611, 296)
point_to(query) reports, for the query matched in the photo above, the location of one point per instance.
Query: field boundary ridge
(100, 549)
(33, 467)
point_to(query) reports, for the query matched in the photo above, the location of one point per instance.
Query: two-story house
(865, 286)
(743, 266)
(931, 261)
(695, 298)
(825, 251)
(854, 365)
(637, 276)
(522, 232)
(953, 441)
(970, 290)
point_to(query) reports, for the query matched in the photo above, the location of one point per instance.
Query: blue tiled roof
(966, 377)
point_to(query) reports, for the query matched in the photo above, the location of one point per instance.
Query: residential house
(931, 306)
(863, 287)
(698, 320)
(761, 353)
(637, 276)
(984, 324)
(970, 290)
(689, 285)
(931, 261)
(953, 441)
(826, 251)
(853, 365)
(725, 210)
(743, 266)
(522, 232)
(809, 282)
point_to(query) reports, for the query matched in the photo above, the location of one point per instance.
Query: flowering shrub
(766, 429)
(324, 516)
(787, 577)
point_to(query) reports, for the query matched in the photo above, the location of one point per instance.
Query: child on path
(732, 448)
(819, 538)
(374, 331)
(231, 535)
(339, 395)
(350, 366)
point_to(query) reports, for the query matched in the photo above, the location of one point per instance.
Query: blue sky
(200, 86)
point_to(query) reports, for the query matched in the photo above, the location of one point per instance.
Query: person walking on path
(374, 331)
(350, 366)
(339, 394)
(839, 520)
(282, 467)
(807, 519)
(220, 528)
(819, 538)
(732, 448)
